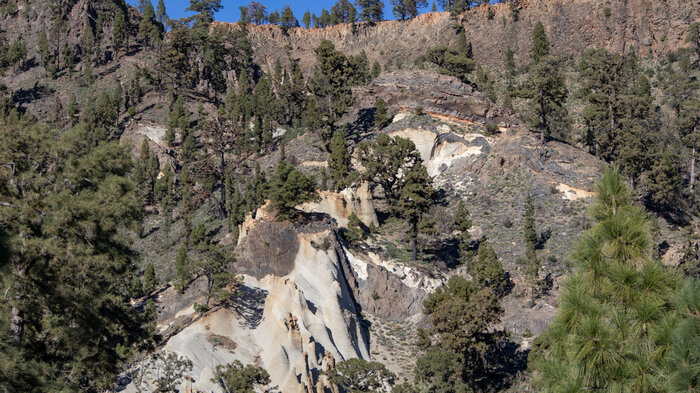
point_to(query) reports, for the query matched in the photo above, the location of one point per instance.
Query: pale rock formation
(573, 193)
(439, 151)
(340, 205)
(292, 325)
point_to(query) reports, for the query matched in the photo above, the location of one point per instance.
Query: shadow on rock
(249, 304)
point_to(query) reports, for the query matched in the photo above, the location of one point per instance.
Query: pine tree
(43, 49)
(665, 183)
(221, 138)
(339, 161)
(204, 10)
(354, 233)
(381, 117)
(415, 200)
(69, 59)
(287, 20)
(331, 85)
(69, 242)
(683, 358)
(540, 44)
(532, 263)
(439, 371)
(688, 124)
(509, 66)
(463, 224)
(372, 10)
(182, 268)
(484, 83)
(146, 171)
(545, 89)
(464, 46)
(161, 14)
(164, 193)
(358, 375)
(618, 324)
(118, 97)
(136, 287)
(306, 19)
(186, 203)
(487, 270)
(72, 110)
(451, 62)
(290, 187)
(618, 116)
(274, 17)
(462, 315)
(385, 159)
(245, 18)
(149, 29)
(149, 279)
(119, 31)
(234, 377)
(399, 9)
(434, 8)
(376, 70)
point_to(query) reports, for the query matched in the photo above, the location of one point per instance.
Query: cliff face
(644, 26)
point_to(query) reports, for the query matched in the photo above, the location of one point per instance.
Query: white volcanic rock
(285, 324)
(340, 205)
(440, 151)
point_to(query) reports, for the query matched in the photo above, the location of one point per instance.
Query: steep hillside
(258, 232)
(650, 28)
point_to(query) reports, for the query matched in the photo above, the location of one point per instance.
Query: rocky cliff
(644, 26)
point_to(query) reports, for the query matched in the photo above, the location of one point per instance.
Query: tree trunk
(17, 325)
(58, 51)
(210, 285)
(414, 241)
(222, 168)
(692, 168)
(17, 315)
(543, 119)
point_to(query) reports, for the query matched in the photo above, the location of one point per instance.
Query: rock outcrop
(340, 205)
(295, 312)
(646, 27)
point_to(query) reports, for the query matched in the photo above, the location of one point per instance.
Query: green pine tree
(487, 270)
(384, 160)
(463, 224)
(339, 161)
(540, 44)
(182, 268)
(161, 14)
(376, 70)
(235, 377)
(331, 85)
(290, 187)
(532, 263)
(306, 19)
(546, 92)
(149, 279)
(149, 28)
(354, 234)
(371, 10)
(619, 325)
(119, 31)
(415, 200)
(204, 11)
(381, 116)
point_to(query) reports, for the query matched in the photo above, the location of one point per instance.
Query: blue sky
(230, 12)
